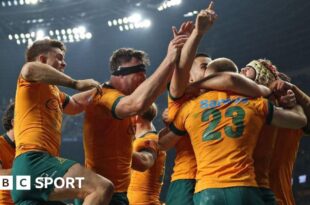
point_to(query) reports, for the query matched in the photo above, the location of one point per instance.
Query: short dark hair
(124, 55)
(150, 113)
(202, 55)
(43, 46)
(223, 65)
(8, 116)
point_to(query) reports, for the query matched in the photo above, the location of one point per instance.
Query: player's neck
(10, 134)
(142, 128)
(114, 82)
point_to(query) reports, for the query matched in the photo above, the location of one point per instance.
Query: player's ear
(42, 58)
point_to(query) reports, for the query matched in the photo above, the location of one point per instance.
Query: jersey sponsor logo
(217, 103)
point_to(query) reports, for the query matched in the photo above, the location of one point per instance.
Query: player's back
(284, 156)
(224, 129)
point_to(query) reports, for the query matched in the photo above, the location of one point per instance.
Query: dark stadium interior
(278, 30)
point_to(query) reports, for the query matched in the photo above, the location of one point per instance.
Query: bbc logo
(22, 182)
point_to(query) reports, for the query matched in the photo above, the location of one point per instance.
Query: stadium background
(278, 30)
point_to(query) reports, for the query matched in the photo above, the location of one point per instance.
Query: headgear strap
(129, 70)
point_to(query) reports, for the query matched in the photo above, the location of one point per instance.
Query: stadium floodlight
(20, 2)
(132, 22)
(135, 18)
(302, 179)
(40, 35)
(66, 35)
(190, 14)
(168, 3)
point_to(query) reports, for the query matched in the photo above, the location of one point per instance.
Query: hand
(87, 84)
(280, 87)
(175, 46)
(288, 100)
(186, 28)
(205, 19)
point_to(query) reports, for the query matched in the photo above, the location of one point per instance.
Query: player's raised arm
(180, 79)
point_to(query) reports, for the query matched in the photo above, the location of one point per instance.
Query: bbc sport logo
(23, 182)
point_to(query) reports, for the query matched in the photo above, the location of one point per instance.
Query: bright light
(302, 179)
(190, 14)
(82, 36)
(135, 18)
(69, 35)
(168, 4)
(40, 35)
(33, 1)
(146, 23)
(88, 35)
(135, 21)
(81, 29)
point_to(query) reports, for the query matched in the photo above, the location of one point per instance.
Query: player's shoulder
(108, 88)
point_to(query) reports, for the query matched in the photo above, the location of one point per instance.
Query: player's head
(221, 65)
(127, 67)
(48, 51)
(199, 66)
(262, 71)
(8, 117)
(150, 113)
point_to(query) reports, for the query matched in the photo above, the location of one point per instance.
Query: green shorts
(119, 198)
(37, 164)
(229, 196)
(181, 192)
(268, 196)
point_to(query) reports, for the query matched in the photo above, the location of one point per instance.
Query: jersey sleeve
(264, 107)
(145, 143)
(109, 99)
(178, 124)
(174, 106)
(64, 99)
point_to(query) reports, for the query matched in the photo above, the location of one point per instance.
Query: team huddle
(236, 135)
